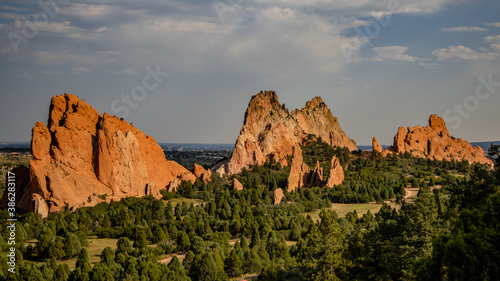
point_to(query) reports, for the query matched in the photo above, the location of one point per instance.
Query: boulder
(237, 184)
(202, 174)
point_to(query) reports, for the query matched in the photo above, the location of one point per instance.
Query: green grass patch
(343, 209)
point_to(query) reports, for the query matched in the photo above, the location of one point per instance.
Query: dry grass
(343, 209)
(176, 201)
(95, 247)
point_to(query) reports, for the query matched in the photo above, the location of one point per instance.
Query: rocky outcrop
(434, 142)
(316, 175)
(174, 185)
(336, 175)
(300, 173)
(278, 196)
(81, 155)
(270, 132)
(201, 173)
(375, 146)
(387, 152)
(302, 176)
(237, 184)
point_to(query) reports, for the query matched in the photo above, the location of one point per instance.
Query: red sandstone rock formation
(270, 132)
(81, 155)
(375, 146)
(434, 142)
(278, 196)
(300, 173)
(316, 175)
(302, 176)
(336, 175)
(201, 173)
(237, 185)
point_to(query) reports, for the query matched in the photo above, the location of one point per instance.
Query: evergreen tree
(141, 242)
(61, 273)
(123, 245)
(178, 272)
(206, 269)
(233, 264)
(83, 267)
(183, 243)
(158, 234)
(101, 272)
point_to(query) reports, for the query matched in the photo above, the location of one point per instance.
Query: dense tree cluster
(446, 233)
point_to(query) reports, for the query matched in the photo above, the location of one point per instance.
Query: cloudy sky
(378, 64)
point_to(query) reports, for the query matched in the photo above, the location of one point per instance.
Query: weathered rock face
(336, 175)
(201, 173)
(375, 146)
(300, 173)
(278, 196)
(302, 176)
(81, 155)
(316, 175)
(237, 185)
(434, 142)
(270, 132)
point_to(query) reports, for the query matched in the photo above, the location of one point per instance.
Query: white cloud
(91, 12)
(393, 53)
(80, 69)
(495, 46)
(15, 9)
(63, 55)
(494, 24)
(366, 7)
(494, 42)
(428, 64)
(61, 29)
(10, 16)
(264, 38)
(52, 73)
(462, 53)
(492, 39)
(102, 29)
(463, 29)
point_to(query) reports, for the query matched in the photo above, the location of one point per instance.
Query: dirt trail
(167, 260)
(411, 191)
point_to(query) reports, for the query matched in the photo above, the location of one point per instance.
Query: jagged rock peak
(438, 125)
(315, 102)
(270, 131)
